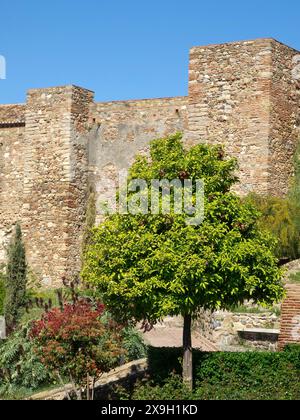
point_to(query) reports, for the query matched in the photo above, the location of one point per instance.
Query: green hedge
(224, 375)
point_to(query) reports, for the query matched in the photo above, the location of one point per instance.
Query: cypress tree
(15, 280)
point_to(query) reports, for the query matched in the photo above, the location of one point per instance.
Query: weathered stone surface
(244, 95)
(222, 328)
(121, 130)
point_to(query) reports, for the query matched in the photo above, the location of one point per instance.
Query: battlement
(11, 115)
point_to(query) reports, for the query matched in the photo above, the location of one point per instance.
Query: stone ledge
(259, 334)
(122, 372)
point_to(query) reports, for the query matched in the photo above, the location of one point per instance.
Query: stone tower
(245, 95)
(44, 179)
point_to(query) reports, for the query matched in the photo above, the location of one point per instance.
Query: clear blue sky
(126, 49)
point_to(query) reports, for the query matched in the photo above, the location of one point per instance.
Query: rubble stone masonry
(245, 95)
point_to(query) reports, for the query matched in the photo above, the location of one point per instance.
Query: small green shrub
(277, 216)
(243, 309)
(281, 215)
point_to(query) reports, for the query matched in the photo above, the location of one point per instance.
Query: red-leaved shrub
(76, 343)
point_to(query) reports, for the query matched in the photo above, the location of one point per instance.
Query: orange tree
(76, 344)
(147, 266)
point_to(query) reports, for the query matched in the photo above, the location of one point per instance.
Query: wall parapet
(143, 103)
(10, 124)
(12, 115)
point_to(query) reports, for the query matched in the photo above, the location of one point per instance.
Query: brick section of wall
(55, 180)
(123, 129)
(241, 95)
(290, 317)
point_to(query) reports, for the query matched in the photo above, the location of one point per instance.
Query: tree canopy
(149, 266)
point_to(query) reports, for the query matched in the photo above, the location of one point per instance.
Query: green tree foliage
(150, 266)
(15, 280)
(277, 218)
(281, 216)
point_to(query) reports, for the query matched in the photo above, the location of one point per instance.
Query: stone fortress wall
(245, 95)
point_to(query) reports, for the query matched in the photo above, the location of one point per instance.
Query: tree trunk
(187, 352)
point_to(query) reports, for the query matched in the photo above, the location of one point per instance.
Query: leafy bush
(30, 359)
(222, 375)
(19, 364)
(244, 309)
(76, 344)
(278, 217)
(134, 344)
(281, 215)
(252, 309)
